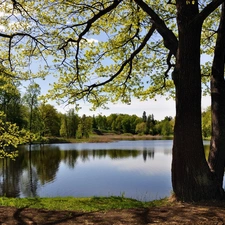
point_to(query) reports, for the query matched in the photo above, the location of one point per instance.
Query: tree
(63, 126)
(31, 100)
(134, 120)
(141, 128)
(206, 123)
(18, 47)
(192, 179)
(10, 99)
(50, 119)
(84, 126)
(128, 46)
(10, 137)
(138, 33)
(167, 128)
(111, 121)
(69, 124)
(118, 123)
(94, 123)
(101, 122)
(217, 145)
(144, 117)
(150, 124)
(126, 124)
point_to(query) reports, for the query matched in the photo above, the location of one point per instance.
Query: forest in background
(44, 121)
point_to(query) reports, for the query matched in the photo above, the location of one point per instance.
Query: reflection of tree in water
(118, 154)
(29, 182)
(113, 154)
(39, 166)
(29, 178)
(84, 155)
(99, 153)
(70, 157)
(10, 173)
(148, 154)
(46, 162)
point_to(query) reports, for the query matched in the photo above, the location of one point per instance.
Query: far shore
(105, 138)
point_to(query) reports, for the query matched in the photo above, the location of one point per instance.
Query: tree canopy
(125, 48)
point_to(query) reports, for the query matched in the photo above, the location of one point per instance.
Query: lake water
(135, 169)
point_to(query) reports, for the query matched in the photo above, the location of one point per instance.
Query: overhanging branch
(22, 35)
(89, 23)
(170, 40)
(207, 11)
(128, 61)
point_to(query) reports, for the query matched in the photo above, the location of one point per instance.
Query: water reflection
(94, 169)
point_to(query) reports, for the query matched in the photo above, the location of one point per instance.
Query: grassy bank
(79, 204)
(106, 138)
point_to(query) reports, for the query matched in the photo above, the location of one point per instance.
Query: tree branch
(207, 11)
(22, 35)
(124, 64)
(170, 40)
(17, 5)
(85, 31)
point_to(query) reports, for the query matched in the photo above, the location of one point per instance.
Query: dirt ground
(179, 213)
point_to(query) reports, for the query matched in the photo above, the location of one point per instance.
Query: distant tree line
(124, 123)
(43, 120)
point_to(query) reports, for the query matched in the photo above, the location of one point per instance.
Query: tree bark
(192, 179)
(217, 146)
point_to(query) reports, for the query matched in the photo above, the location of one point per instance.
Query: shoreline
(105, 138)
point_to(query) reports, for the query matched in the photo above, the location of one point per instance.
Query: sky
(160, 108)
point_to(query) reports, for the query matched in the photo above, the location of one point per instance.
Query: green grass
(79, 204)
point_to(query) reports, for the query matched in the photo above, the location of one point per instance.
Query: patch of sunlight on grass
(80, 204)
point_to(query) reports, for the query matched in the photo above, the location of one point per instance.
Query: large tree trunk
(217, 145)
(191, 177)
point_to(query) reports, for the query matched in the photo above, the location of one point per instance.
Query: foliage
(93, 46)
(140, 128)
(30, 99)
(11, 137)
(90, 47)
(50, 120)
(69, 124)
(206, 123)
(84, 127)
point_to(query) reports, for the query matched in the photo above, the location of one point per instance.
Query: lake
(135, 169)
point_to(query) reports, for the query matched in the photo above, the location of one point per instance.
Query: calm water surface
(136, 169)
